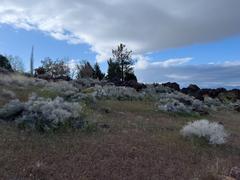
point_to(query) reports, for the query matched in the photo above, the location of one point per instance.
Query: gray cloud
(208, 75)
(145, 26)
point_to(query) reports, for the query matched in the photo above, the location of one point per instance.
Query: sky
(178, 41)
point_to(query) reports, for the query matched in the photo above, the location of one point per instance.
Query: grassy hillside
(127, 140)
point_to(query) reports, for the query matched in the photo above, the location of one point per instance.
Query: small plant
(213, 133)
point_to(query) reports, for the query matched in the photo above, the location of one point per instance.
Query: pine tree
(97, 72)
(114, 71)
(122, 56)
(4, 63)
(85, 70)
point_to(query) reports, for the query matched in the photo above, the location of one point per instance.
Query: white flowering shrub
(43, 114)
(213, 132)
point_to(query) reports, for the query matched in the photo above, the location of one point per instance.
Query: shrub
(46, 114)
(115, 92)
(43, 114)
(11, 110)
(62, 87)
(7, 93)
(213, 132)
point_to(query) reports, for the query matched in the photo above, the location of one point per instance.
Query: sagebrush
(213, 132)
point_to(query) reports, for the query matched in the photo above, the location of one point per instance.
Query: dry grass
(140, 144)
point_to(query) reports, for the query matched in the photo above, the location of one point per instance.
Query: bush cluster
(43, 114)
(213, 132)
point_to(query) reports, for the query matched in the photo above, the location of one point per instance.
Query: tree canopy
(4, 63)
(120, 66)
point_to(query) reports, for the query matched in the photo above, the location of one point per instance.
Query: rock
(235, 173)
(213, 93)
(173, 85)
(134, 84)
(193, 90)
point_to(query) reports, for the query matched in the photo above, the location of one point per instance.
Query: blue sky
(187, 42)
(18, 42)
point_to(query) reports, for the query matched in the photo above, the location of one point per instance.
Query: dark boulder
(173, 85)
(193, 90)
(134, 84)
(213, 93)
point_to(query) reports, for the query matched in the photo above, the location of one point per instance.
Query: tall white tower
(32, 61)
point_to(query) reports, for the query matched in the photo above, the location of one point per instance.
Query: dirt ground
(133, 141)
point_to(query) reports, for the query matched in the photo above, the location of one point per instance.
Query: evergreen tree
(130, 77)
(114, 71)
(122, 56)
(4, 63)
(85, 70)
(97, 72)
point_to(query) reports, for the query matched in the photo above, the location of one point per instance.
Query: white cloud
(177, 77)
(172, 62)
(72, 64)
(145, 26)
(231, 63)
(144, 62)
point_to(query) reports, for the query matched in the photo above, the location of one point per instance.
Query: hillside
(94, 130)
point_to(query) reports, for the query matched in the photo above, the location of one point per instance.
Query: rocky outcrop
(173, 85)
(193, 90)
(134, 84)
(213, 93)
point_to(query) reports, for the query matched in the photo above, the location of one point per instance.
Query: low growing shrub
(44, 114)
(213, 132)
(11, 110)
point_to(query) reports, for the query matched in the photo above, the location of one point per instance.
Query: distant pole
(32, 61)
